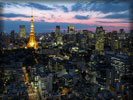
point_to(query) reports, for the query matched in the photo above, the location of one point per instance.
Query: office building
(71, 29)
(57, 31)
(22, 31)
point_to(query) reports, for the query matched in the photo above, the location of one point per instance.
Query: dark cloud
(118, 16)
(14, 4)
(39, 6)
(64, 8)
(34, 5)
(112, 22)
(10, 15)
(108, 1)
(104, 7)
(58, 1)
(110, 7)
(77, 7)
(81, 17)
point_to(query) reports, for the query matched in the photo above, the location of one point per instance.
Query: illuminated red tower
(32, 42)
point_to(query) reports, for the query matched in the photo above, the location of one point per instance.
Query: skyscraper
(131, 33)
(100, 38)
(122, 31)
(114, 35)
(22, 31)
(12, 35)
(71, 29)
(32, 42)
(58, 35)
(122, 34)
(131, 43)
(99, 29)
(57, 31)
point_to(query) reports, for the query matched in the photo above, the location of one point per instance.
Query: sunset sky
(83, 15)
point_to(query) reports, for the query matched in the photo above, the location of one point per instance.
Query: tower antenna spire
(31, 11)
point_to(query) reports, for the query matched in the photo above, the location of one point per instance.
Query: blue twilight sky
(82, 14)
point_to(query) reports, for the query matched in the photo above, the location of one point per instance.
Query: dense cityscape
(68, 65)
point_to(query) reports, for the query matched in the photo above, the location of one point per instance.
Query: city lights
(78, 50)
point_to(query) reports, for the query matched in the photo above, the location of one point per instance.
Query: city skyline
(83, 15)
(86, 53)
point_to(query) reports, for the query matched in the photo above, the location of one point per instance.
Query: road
(32, 95)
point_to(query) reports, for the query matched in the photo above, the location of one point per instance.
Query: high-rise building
(115, 45)
(57, 31)
(122, 31)
(71, 29)
(22, 31)
(122, 34)
(32, 42)
(100, 38)
(121, 63)
(114, 35)
(100, 44)
(8, 40)
(58, 35)
(12, 35)
(53, 34)
(131, 33)
(131, 43)
(59, 40)
(99, 29)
